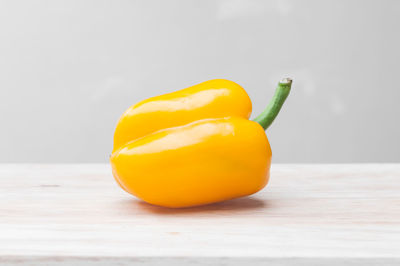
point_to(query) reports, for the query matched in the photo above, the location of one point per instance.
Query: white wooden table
(307, 215)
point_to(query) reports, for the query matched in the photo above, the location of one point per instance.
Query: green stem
(266, 118)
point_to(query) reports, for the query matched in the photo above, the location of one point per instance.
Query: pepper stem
(269, 114)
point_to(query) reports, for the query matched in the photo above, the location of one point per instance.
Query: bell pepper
(195, 146)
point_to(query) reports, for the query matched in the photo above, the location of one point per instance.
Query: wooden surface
(307, 215)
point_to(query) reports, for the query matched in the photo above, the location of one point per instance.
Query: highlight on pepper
(195, 146)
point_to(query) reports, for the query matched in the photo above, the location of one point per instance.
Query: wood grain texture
(307, 215)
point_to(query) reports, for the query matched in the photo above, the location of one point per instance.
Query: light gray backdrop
(68, 69)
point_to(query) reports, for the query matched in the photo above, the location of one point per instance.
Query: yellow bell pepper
(195, 146)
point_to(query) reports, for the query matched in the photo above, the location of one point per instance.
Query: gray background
(68, 69)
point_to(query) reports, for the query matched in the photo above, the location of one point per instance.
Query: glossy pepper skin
(210, 99)
(192, 147)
